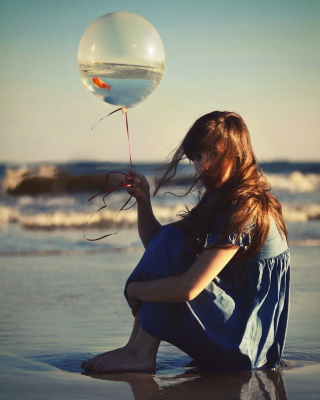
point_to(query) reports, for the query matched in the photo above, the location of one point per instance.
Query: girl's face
(203, 162)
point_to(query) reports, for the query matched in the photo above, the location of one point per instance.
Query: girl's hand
(134, 302)
(140, 189)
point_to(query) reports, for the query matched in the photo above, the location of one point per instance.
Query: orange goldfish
(100, 84)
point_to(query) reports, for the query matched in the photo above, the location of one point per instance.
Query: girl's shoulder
(275, 243)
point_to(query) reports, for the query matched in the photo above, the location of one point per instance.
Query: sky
(258, 58)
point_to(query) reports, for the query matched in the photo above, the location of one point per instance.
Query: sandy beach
(60, 310)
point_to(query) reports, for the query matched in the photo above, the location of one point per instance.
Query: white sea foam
(8, 215)
(295, 182)
(107, 218)
(77, 220)
(301, 213)
(299, 195)
(25, 200)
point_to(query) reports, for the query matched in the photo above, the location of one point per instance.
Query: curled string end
(126, 182)
(112, 112)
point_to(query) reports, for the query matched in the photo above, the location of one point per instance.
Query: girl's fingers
(133, 189)
(139, 186)
(136, 180)
(135, 174)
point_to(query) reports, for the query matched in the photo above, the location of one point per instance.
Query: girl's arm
(183, 287)
(147, 222)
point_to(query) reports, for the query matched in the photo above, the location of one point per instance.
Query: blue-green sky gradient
(259, 58)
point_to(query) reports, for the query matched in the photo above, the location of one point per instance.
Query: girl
(215, 283)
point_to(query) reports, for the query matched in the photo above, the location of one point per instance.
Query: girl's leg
(135, 330)
(139, 355)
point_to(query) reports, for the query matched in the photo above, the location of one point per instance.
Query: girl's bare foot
(135, 330)
(120, 361)
(138, 355)
(98, 356)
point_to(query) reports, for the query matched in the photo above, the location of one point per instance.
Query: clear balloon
(121, 58)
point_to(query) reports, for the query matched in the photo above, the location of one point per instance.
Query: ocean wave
(125, 219)
(295, 182)
(78, 220)
(301, 213)
(52, 179)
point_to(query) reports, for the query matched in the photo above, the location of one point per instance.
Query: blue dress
(239, 321)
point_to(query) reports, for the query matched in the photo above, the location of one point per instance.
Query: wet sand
(300, 383)
(294, 384)
(60, 310)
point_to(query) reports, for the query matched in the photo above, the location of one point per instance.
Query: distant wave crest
(295, 182)
(78, 220)
(51, 179)
(300, 213)
(125, 219)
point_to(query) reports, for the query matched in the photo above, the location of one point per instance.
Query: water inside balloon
(130, 84)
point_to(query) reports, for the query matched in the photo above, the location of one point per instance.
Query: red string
(126, 182)
(112, 112)
(128, 137)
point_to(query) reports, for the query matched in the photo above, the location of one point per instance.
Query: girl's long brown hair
(242, 203)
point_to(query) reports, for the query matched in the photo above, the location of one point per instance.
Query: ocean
(62, 296)
(51, 202)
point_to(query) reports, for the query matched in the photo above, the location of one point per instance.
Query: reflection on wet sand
(242, 385)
